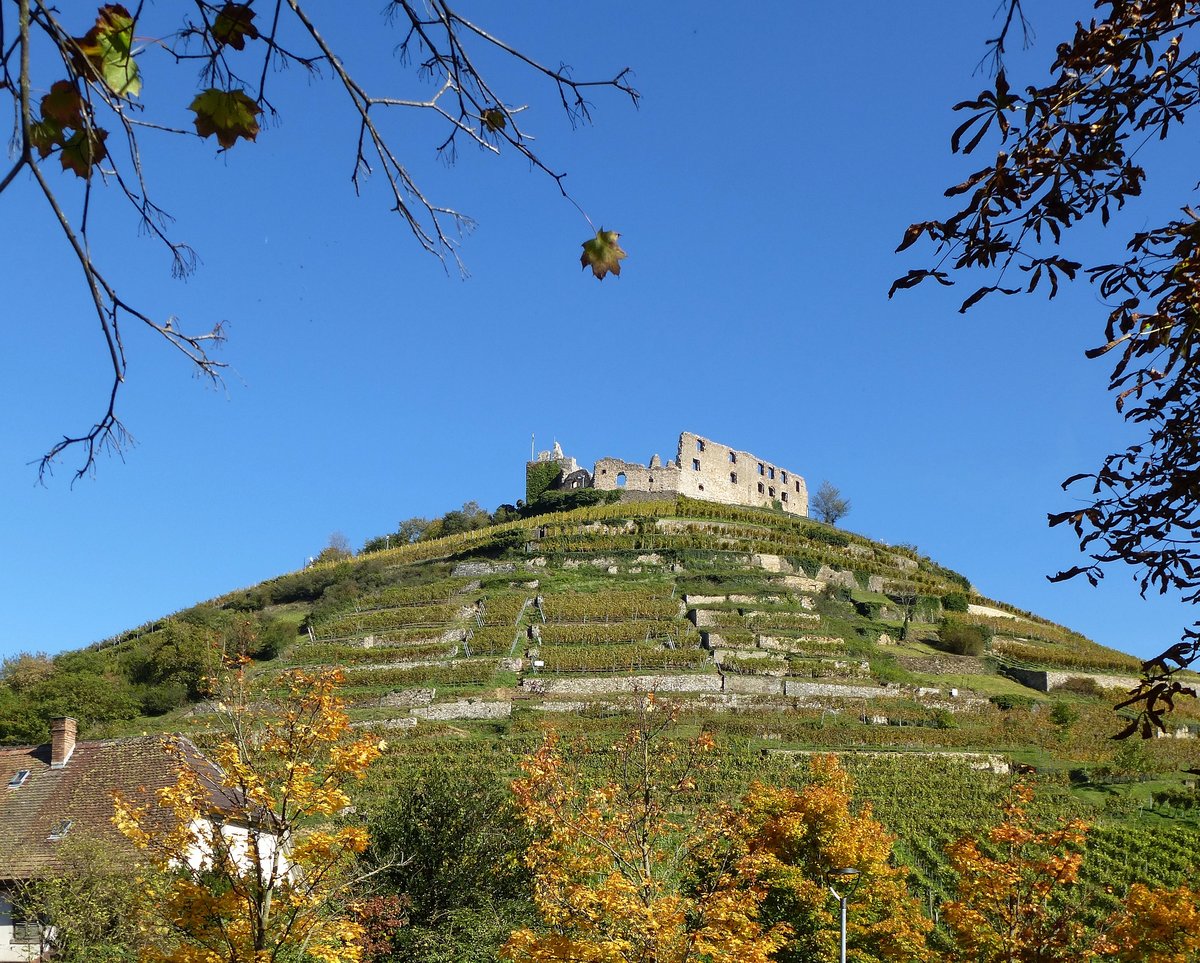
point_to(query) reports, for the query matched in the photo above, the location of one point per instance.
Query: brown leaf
(63, 105)
(234, 26)
(493, 119)
(83, 150)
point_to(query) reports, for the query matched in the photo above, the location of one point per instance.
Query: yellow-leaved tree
(625, 868)
(1015, 900)
(807, 835)
(254, 861)
(1155, 926)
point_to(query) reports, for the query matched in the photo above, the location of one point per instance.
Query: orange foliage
(1016, 906)
(1156, 926)
(622, 873)
(806, 834)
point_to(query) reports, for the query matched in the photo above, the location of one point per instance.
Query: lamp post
(847, 875)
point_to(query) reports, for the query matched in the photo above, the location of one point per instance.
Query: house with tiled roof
(53, 791)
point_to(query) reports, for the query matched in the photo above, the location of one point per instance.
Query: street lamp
(848, 876)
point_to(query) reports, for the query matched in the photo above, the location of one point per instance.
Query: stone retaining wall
(1044, 680)
(464, 709)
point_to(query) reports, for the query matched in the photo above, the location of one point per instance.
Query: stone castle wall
(708, 470)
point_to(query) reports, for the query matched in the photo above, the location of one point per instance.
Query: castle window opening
(761, 470)
(651, 479)
(695, 464)
(771, 491)
(783, 476)
(760, 488)
(797, 486)
(733, 458)
(733, 477)
(701, 488)
(770, 472)
(621, 480)
(783, 495)
(699, 445)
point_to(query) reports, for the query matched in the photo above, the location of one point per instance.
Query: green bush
(568, 500)
(955, 602)
(1009, 701)
(1064, 714)
(963, 638)
(1081, 685)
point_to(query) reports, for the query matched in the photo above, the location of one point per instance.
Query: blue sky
(760, 190)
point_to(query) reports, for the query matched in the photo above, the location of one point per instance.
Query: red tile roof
(81, 791)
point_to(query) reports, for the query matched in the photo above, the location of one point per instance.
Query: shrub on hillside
(1064, 714)
(1081, 685)
(963, 638)
(565, 501)
(955, 602)
(1007, 701)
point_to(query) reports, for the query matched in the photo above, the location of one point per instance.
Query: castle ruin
(702, 468)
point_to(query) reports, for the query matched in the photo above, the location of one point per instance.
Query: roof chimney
(62, 741)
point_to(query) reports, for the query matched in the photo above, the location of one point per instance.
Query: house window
(621, 480)
(733, 477)
(699, 445)
(695, 464)
(733, 458)
(61, 829)
(770, 472)
(761, 470)
(25, 931)
(19, 779)
(760, 488)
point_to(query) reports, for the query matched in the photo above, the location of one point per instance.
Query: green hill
(780, 634)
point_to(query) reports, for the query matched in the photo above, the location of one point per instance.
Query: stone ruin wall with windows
(709, 470)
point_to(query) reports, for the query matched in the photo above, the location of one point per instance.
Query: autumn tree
(1059, 151)
(84, 109)
(624, 869)
(256, 866)
(807, 835)
(1154, 926)
(1015, 901)
(829, 505)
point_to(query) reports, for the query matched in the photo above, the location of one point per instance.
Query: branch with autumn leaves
(78, 97)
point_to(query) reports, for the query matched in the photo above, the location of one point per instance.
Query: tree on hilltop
(83, 108)
(829, 505)
(1060, 151)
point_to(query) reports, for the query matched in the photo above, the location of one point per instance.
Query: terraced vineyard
(779, 634)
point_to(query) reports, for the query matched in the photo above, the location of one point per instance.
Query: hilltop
(779, 633)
